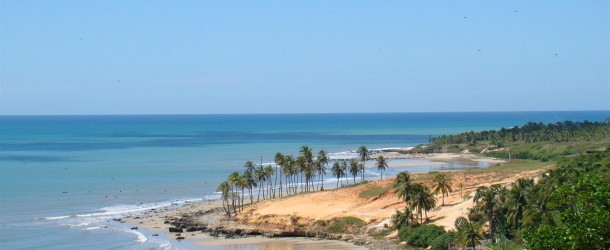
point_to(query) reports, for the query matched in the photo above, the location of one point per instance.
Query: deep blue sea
(62, 177)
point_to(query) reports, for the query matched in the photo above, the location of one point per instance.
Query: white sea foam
(345, 155)
(165, 246)
(92, 228)
(140, 236)
(54, 217)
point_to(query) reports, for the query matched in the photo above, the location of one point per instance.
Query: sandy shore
(285, 214)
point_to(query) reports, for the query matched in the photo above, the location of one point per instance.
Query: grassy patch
(355, 184)
(344, 224)
(374, 192)
(549, 151)
(510, 168)
(321, 223)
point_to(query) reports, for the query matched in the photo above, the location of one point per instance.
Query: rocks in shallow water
(175, 230)
(155, 235)
(193, 229)
(180, 238)
(134, 228)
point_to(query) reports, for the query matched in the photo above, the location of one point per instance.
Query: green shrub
(345, 224)
(321, 223)
(442, 242)
(404, 231)
(421, 236)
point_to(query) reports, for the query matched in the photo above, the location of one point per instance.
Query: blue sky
(200, 57)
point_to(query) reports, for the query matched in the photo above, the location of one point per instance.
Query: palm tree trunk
(250, 192)
(269, 187)
(275, 183)
(322, 182)
(281, 174)
(242, 198)
(259, 193)
(491, 225)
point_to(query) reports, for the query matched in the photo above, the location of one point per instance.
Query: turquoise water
(75, 172)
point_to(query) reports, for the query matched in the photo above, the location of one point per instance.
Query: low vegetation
(374, 192)
(344, 225)
(567, 208)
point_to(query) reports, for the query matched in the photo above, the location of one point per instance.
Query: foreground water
(63, 177)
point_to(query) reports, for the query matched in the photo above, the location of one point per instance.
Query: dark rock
(155, 235)
(179, 238)
(175, 230)
(134, 228)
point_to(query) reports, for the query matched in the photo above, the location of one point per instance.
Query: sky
(217, 57)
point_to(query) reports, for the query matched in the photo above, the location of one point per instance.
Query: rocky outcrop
(231, 229)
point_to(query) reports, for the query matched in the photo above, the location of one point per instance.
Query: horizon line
(311, 113)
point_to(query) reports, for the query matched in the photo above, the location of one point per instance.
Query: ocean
(63, 177)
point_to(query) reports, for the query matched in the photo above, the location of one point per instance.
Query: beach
(274, 224)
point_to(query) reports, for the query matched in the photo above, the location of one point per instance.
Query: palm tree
(381, 164)
(337, 172)
(344, 170)
(251, 182)
(422, 200)
(241, 184)
(249, 166)
(489, 197)
(288, 170)
(365, 155)
(224, 189)
(468, 232)
(354, 169)
(442, 184)
(518, 201)
(233, 183)
(403, 185)
(268, 171)
(461, 186)
(321, 168)
(279, 161)
(307, 164)
(300, 168)
(260, 177)
(400, 219)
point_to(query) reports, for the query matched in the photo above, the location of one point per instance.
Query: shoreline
(204, 224)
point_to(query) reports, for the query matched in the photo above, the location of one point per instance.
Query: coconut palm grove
(566, 207)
